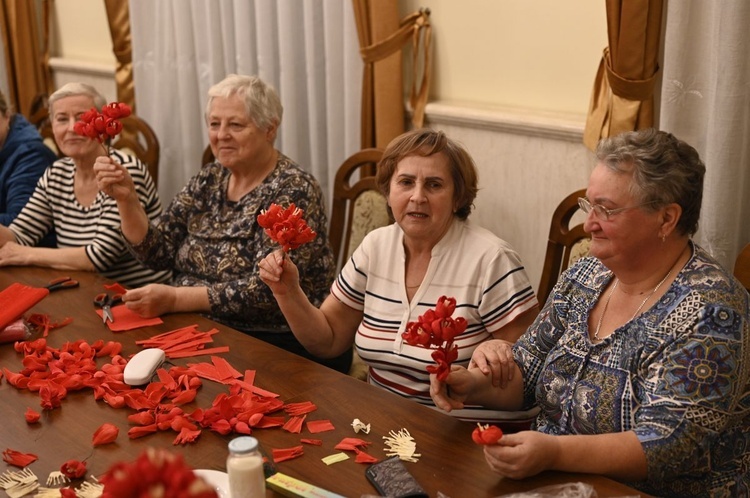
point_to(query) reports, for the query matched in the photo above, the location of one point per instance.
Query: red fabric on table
(17, 299)
(125, 319)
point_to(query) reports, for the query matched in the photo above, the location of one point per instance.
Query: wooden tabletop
(450, 462)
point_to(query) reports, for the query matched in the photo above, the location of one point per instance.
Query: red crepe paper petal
(363, 457)
(314, 442)
(73, 469)
(300, 408)
(283, 454)
(32, 416)
(13, 457)
(294, 424)
(105, 434)
(315, 426)
(136, 432)
(68, 493)
(187, 396)
(186, 436)
(142, 418)
(486, 434)
(269, 422)
(351, 444)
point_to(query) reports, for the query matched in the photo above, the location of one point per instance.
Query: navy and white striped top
(53, 205)
(482, 272)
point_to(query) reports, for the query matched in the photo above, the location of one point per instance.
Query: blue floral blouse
(677, 375)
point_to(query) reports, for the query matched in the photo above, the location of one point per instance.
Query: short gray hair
(262, 103)
(75, 89)
(665, 170)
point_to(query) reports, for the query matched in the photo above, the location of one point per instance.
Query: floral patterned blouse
(211, 241)
(678, 376)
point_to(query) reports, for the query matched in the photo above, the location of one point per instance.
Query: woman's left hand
(495, 358)
(13, 254)
(522, 454)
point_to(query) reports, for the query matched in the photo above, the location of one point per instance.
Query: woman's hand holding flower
(523, 454)
(113, 179)
(279, 273)
(451, 393)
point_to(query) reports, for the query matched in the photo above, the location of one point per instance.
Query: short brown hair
(426, 142)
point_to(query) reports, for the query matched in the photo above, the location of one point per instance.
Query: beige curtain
(26, 61)
(118, 15)
(381, 38)
(623, 95)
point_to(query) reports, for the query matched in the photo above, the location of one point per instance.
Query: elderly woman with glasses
(640, 359)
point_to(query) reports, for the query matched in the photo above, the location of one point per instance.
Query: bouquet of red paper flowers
(155, 473)
(286, 226)
(437, 328)
(103, 125)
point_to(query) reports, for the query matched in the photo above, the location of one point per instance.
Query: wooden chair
(742, 267)
(137, 138)
(358, 207)
(565, 245)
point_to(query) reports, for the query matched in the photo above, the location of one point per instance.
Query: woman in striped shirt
(67, 201)
(400, 271)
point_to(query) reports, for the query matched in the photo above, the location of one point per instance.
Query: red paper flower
(486, 434)
(437, 328)
(73, 469)
(31, 416)
(105, 434)
(155, 472)
(286, 226)
(104, 125)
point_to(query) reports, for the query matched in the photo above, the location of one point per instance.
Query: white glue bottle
(245, 468)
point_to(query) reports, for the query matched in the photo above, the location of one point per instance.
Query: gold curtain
(118, 15)
(27, 66)
(381, 38)
(623, 94)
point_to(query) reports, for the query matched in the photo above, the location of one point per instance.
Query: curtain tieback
(412, 26)
(627, 88)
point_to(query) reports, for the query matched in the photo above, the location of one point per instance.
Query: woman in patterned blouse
(209, 235)
(67, 203)
(640, 359)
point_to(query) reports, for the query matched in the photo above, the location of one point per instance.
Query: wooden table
(450, 463)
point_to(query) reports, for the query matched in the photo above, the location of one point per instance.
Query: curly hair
(665, 170)
(426, 142)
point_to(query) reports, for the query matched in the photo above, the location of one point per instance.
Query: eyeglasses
(603, 213)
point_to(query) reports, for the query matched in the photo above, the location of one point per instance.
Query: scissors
(105, 302)
(62, 283)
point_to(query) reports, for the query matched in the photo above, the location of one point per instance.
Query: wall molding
(530, 122)
(81, 67)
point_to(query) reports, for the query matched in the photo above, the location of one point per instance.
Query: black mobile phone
(391, 478)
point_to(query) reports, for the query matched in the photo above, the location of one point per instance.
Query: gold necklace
(643, 303)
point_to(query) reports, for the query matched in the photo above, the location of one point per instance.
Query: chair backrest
(208, 156)
(565, 245)
(358, 207)
(742, 267)
(137, 138)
